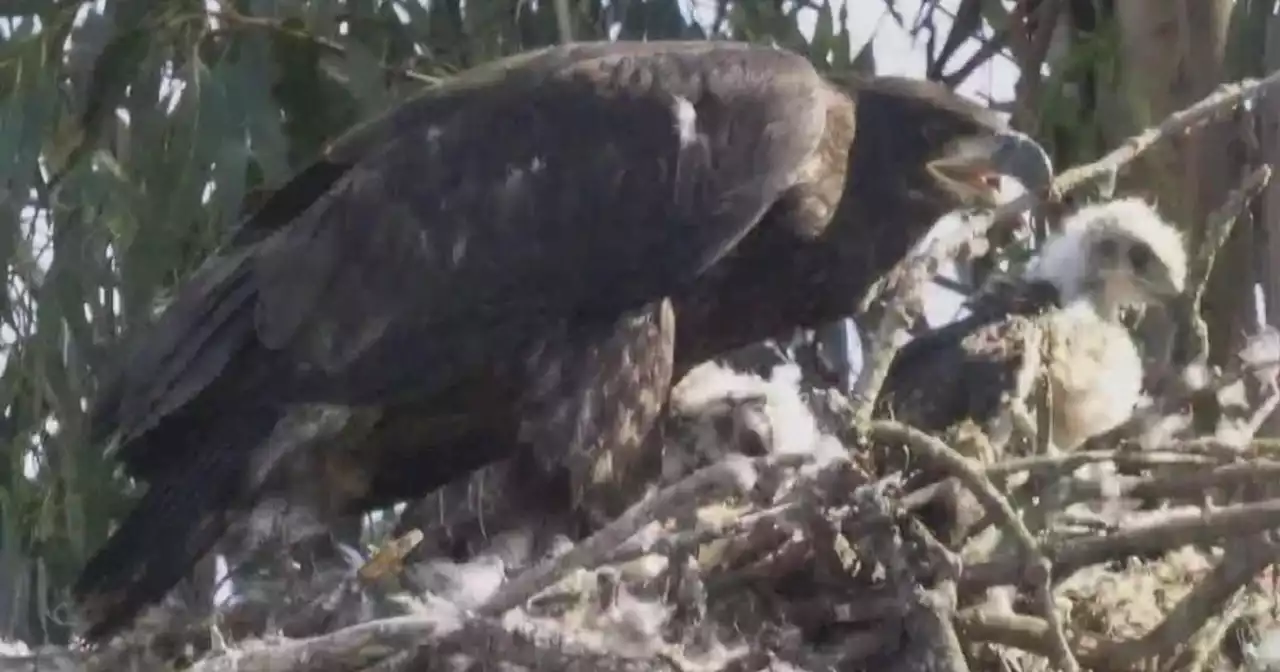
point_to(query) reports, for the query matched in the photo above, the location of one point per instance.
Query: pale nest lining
(1127, 604)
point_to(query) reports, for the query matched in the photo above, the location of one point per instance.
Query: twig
(1038, 569)
(232, 16)
(1193, 484)
(927, 616)
(1220, 101)
(1218, 228)
(1023, 632)
(1208, 599)
(1068, 462)
(734, 473)
(932, 623)
(422, 642)
(1179, 530)
(703, 533)
(351, 648)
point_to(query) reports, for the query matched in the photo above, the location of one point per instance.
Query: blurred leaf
(113, 70)
(312, 111)
(841, 50)
(663, 17)
(363, 75)
(996, 14)
(821, 46)
(250, 88)
(865, 61)
(1246, 46)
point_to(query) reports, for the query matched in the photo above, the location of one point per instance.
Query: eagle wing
(573, 183)
(966, 370)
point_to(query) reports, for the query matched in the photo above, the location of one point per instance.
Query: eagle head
(950, 150)
(1114, 254)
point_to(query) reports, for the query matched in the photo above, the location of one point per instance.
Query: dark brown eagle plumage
(515, 264)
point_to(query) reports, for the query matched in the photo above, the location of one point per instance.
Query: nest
(771, 542)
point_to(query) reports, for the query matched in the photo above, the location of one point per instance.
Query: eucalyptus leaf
(113, 70)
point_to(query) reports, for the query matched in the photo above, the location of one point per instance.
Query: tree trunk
(1269, 211)
(1173, 54)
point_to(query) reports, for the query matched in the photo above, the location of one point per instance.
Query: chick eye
(1106, 249)
(1140, 257)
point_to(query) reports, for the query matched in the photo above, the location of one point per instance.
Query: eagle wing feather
(968, 369)
(605, 178)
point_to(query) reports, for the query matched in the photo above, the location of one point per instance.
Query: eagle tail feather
(178, 521)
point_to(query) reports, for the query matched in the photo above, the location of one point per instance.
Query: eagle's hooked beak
(972, 166)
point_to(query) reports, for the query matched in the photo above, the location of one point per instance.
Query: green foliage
(1068, 111)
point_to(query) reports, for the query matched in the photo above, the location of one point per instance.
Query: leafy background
(134, 133)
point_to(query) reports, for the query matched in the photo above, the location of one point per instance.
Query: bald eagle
(497, 269)
(1057, 326)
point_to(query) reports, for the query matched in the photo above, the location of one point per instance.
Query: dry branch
(736, 473)
(1190, 325)
(1243, 561)
(1228, 522)
(1037, 568)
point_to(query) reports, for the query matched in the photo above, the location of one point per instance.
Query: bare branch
(735, 474)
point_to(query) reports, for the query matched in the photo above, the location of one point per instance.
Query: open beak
(972, 166)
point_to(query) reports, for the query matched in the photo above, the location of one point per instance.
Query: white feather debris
(14, 648)
(467, 585)
(1261, 355)
(744, 472)
(1265, 655)
(623, 624)
(644, 568)
(728, 413)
